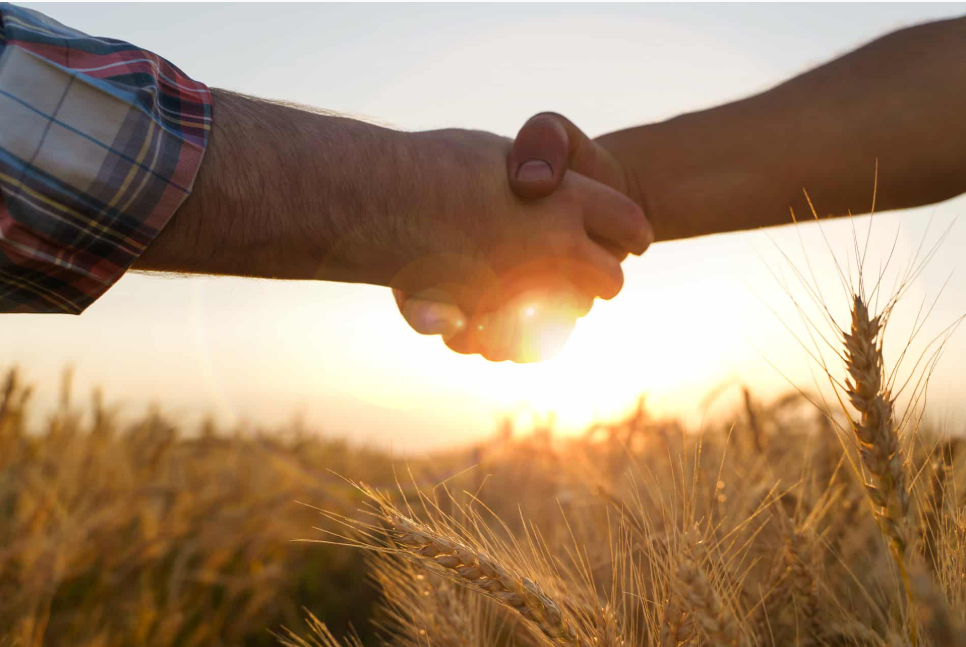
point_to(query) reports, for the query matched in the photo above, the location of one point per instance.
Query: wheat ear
(878, 439)
(799, 558)
(482, 572)
(695, 593)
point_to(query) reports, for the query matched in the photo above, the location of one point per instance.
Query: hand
(533, 326)
(287, 193)
(529, 267)
(530, 327)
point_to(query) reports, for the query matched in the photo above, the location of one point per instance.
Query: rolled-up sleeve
(100, 143)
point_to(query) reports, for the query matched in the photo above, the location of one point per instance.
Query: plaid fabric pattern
(100, 143)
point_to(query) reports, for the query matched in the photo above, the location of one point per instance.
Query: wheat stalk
(853, 633)
(484, 573)
(693, 592)
(801, 568)
(677, 627)
(875, 429)
(878, 439)
(319, 636)
(417, 607)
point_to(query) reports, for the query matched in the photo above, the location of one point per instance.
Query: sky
(695, 317)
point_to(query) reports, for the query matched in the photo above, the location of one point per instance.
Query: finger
(498, 339)
(546, 147)
(580, 304)
(615, 250)
(527, 330)
(531, 327)
(593, 271)
(477, 338)
(610, 215)
(429, 317)
(465, 341)
(557, 298)
(400, 296)
(539, 157)
(495, 335)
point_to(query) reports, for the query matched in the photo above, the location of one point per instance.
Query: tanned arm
(899, 100)
(290, 193)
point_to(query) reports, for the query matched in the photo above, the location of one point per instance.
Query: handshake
(516, 256)
(500, 246)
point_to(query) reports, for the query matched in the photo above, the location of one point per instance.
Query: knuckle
(614, 283)
(633, 215)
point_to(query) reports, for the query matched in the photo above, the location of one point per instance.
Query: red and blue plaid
(100, 143)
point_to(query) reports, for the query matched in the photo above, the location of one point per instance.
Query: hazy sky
(691, 317)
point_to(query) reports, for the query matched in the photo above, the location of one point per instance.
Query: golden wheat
(696, 595)
(483, 572)
(878, 437)
(115, 534)
(875, 429)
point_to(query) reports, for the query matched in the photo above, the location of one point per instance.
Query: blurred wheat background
(798, 521)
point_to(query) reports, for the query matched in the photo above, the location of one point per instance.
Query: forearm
(899, 100)
(291, 193)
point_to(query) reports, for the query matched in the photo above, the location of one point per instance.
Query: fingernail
(535, 171)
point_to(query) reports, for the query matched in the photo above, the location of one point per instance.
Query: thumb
(549, 144)
(429, 317)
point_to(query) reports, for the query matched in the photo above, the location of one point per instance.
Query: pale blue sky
(261, 350)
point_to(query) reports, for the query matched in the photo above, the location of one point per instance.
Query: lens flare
(535, 326)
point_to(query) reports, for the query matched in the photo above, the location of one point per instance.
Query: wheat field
(833, 518)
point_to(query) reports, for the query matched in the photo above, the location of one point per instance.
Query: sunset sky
(692, 316)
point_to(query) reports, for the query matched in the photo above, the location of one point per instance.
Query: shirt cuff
(99, 146)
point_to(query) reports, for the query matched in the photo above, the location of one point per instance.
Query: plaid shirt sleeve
(100, 143)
